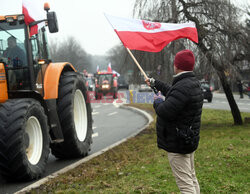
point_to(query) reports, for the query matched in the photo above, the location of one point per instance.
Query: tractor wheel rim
(35, 146)
(80, 115)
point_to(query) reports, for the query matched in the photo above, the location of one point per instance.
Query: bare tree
(221, 35)
(118, 56)
(71, 51)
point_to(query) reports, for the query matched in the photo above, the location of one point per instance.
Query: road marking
(113, 113)
(116, 104)
(242, 103)
(95, 135)
(95, 113)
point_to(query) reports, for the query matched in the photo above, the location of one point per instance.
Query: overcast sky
(84, 20)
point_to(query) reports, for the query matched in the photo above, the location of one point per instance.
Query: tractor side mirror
(52, 22)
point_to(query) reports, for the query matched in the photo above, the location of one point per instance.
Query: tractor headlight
(105, 86)
(9, 19)
(20, 18)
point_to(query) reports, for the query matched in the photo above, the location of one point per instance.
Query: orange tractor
(106, 83)
(43, 105)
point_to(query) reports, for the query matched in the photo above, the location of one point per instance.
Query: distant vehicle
(145, 88)
(246, 86)
(106, 83)
(90, 83)
(122, 83)
(207, 91)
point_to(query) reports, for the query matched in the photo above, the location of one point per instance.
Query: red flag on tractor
(32, 13)
(109, 68)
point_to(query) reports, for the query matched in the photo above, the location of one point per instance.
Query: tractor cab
(24, 57)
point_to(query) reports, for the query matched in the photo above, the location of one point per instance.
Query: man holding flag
(179, 120)
(179, 113)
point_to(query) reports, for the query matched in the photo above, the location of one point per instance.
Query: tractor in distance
(43, 104)
(106, 84)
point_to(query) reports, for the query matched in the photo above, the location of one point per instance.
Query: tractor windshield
(13, 54)
(12, 47)
(105, 77)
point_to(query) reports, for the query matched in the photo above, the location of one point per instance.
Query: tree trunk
(226, 87)
(234, 107)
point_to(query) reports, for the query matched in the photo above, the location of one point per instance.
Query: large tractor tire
(74, 113)
(24, 140)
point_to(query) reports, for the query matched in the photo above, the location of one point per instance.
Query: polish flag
(116, 73)
(33, 12)
(109, 68)
(149, 36)
(97, 68)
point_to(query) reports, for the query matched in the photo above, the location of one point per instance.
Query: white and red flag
(97, 68)
(149, 36)
(109, 68)
(32, 10)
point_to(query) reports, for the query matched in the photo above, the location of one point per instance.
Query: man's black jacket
(181, 109)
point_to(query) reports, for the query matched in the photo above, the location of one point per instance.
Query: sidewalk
(236, 96)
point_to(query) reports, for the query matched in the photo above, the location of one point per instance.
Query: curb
(146, 115)
(76, 164)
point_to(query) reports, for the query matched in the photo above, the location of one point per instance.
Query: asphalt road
(111, 124)
(219, 100)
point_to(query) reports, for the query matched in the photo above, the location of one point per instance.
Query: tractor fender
(3, 84)
(52, 77)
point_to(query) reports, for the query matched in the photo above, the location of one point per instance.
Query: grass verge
(138, 166)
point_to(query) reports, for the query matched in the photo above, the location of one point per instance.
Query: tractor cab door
(40, 58)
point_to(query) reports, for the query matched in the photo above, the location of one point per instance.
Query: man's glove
(158, 98)
(152, 82)
(152, 85)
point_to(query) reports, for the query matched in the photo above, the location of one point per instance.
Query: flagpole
(136, 62)
(143, 72)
